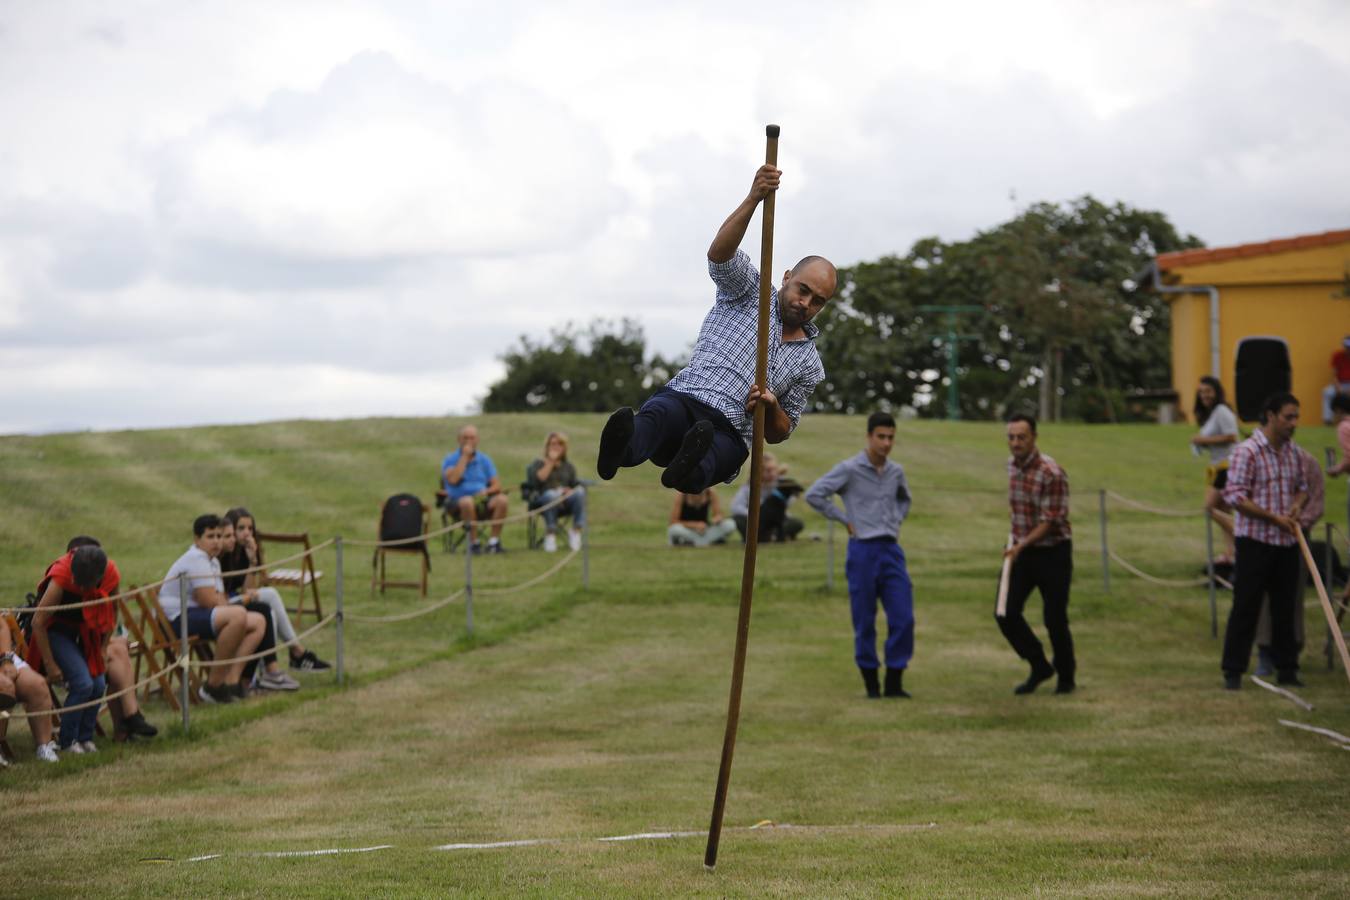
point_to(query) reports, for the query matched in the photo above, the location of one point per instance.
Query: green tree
(1062, 321)
(597, 369)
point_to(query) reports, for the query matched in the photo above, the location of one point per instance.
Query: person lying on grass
(699, 425)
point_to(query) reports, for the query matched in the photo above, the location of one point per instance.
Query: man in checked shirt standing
(1042, 557)
(698, 426)
(1267, 490)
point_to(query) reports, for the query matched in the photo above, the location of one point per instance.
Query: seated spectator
(236, 631)
(128, 722)
(473, 491)
(20, 682)
(552, 477)
(776, 490)
(234, 558)
(70, 644)
(248, 554)
(696, 520)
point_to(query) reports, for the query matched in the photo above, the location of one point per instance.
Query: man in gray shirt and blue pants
(876, 501)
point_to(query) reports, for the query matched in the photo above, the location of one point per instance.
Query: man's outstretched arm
(732, 232)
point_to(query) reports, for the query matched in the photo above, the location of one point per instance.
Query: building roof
(1242, 251)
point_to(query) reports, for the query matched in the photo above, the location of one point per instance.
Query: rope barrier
(155, 584)
(501, 592)
(212, 663)
(1156, 510)
(1288, 695)
(1335, 736)
(403, 617)
(10, 714)
(1164, 582)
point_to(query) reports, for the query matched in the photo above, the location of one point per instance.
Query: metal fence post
(829, 566)
(586, 541)
(1209, 567)
(337, 551)
(1106, 553)
(183, 660)
(468, 582)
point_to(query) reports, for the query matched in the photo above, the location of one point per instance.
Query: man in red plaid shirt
(1042, 557)
(1267, 490)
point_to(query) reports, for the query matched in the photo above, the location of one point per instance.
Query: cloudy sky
(240, 211)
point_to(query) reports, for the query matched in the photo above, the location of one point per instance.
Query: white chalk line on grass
(1288, 695)
(766, 825)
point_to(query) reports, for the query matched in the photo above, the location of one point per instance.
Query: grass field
(576, 714)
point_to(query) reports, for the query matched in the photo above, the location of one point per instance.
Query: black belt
(875, 540)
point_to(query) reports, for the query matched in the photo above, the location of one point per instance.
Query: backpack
(401, 518)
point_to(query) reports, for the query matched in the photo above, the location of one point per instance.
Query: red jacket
(90, 625)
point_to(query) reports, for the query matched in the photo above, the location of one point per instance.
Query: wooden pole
(1001, 607)
(752, 517)
(1326, 602)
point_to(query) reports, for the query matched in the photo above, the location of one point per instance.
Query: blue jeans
(77, 725)
(574, 506)
(876, 571)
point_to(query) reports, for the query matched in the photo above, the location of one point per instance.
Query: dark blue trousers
(876, 571)
(659, 429)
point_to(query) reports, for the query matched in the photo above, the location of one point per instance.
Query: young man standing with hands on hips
(876, 501)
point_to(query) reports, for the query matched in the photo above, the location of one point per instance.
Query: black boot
(1040, 671)
(893, 685)
(870, 681)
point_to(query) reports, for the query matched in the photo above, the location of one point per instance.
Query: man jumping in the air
(699, 425)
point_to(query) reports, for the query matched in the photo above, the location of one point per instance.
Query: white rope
(1165, 582)
(210, 663)
(499, 592)
(9, 714)
(1335, 736)
(1288, 695)
(403, 617)
(1156, 510)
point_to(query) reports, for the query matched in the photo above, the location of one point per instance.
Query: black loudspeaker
(1262, 369)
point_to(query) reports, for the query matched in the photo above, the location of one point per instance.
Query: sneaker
(4, 760)
(308, 662)
(1232, 681)
(47, 752)
(89, 746)
(136, 726)
(574, 539)
(1290, 679)
(76, 748)
(550, 543)
(614, 440)
(1040, 673)
(684, 465)
(222, 694)
(277, 681)
(495, 547)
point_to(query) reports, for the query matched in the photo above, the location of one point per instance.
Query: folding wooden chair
(305, 576)
(398, 515)
(158, 645)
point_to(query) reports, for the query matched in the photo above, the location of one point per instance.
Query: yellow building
(1297, 289)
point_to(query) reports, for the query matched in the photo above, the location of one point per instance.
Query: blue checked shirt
(722, 366)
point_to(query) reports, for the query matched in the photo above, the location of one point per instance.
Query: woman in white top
(1218, 434)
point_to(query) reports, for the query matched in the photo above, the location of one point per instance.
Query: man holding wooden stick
(1040, 555)
(1267, 490)
(698, 426)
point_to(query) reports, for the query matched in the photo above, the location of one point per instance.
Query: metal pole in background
(185, 694)
(586, 541)
(337, 550)
(1209, 567)
(829, 570)
(1106, 554)
(468, 580)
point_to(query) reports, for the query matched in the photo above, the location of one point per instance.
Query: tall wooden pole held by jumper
(752, 518)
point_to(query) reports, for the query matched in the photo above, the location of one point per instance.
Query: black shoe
(1065, 687)
(1042, 672)
(614, 441)
(495, 548)
(1232, 681)
(869, 677)
(893, 684)
(308, 662)
(697, 440)
(1289, 679)
(240, 692)
(222, 694)
(136, 726)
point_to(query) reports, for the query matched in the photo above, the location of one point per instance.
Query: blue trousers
(659, 429)
(77, 725)
(876, 571)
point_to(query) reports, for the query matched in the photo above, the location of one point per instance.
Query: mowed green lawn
(575, 714)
